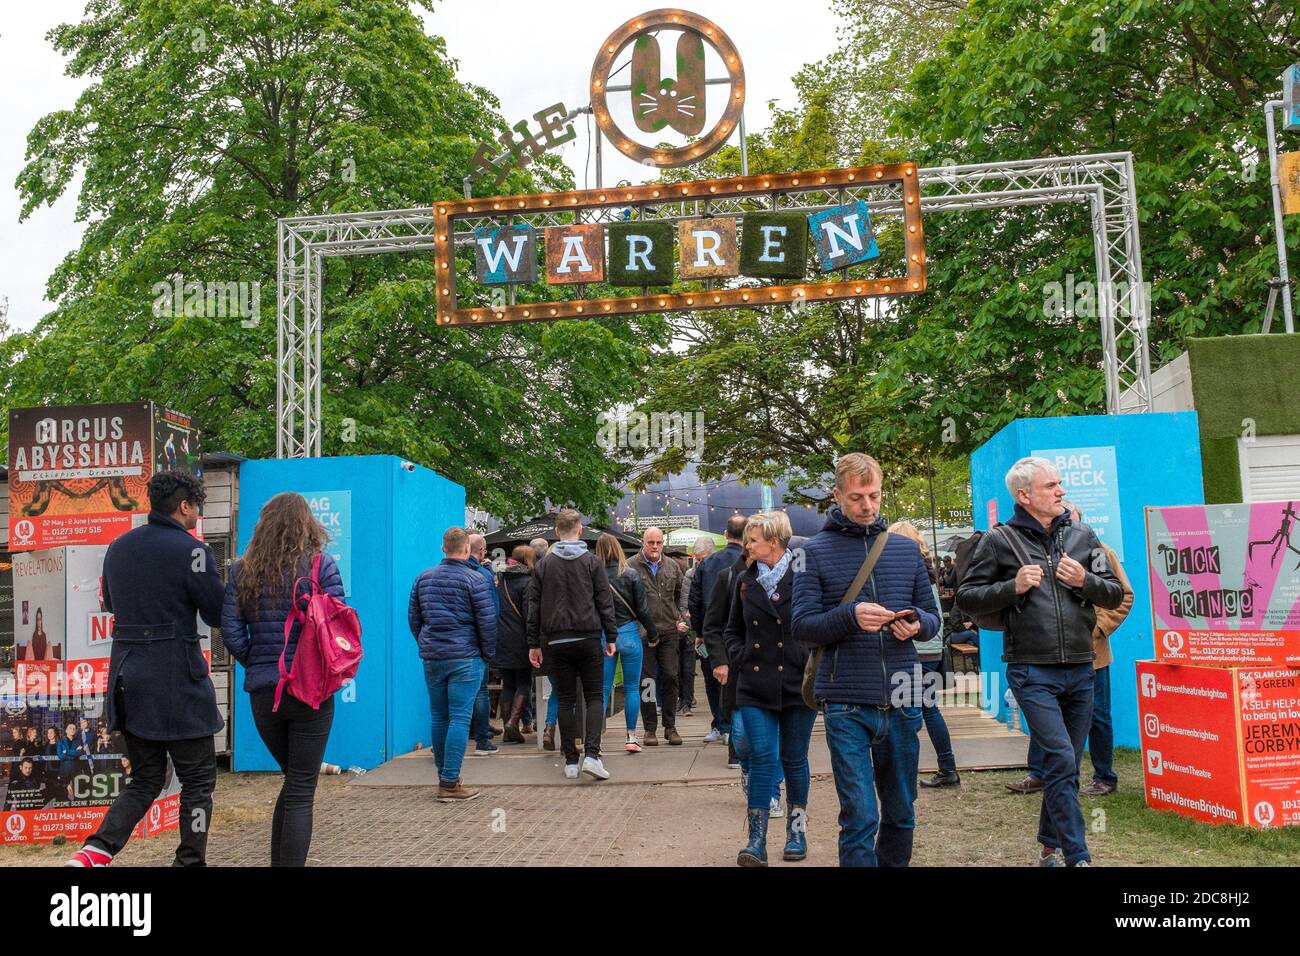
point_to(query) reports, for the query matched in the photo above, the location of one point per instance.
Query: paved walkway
(359, 826)
(389, 817)
(979, 742)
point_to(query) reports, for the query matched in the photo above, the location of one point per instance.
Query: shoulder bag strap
(619, 595)
(868, 565)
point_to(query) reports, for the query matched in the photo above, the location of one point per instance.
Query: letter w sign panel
(747, 240)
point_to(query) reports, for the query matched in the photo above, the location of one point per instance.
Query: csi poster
(1225, 583)
(60, 769)
(77, 473)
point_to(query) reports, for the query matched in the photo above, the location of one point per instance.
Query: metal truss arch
(1104, 181)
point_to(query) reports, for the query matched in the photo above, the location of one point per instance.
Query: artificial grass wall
(1237, 380)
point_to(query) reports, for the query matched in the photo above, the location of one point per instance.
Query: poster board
(1225, 583)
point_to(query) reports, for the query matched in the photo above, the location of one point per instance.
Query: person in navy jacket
(453, 619)
(279, 560)
(157, 581)
(868, 683)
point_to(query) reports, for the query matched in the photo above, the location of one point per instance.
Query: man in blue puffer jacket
(868, 683)
(452, 617)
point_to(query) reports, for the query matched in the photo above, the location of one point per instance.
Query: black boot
(944, 778)
(755, 853)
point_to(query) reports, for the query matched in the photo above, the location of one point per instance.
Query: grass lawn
(1124, 831)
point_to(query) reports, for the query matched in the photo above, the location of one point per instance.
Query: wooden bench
(968, 653)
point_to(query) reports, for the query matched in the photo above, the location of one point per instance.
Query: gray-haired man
(1045, 581)
(663, 581)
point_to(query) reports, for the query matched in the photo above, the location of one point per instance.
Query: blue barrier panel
(1156, 461)
(387, 521)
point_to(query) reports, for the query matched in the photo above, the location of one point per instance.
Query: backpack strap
(295, 614)
(1013, 541)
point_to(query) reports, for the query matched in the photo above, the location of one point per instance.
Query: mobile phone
(907, 614)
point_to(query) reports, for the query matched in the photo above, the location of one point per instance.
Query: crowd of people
(846, 623)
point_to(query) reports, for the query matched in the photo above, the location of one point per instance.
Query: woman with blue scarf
(768, 667)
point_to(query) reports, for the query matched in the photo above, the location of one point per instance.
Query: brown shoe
(548, 737)
(1098, 789)
(455, 794)
(1030, 784)
(526, 728)
(650, 740)
(673, 737)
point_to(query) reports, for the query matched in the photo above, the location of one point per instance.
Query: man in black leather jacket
(1046, 589)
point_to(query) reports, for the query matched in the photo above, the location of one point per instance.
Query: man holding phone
(864, 595)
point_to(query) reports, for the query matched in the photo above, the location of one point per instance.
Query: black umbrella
(543, 526)
(952, 543)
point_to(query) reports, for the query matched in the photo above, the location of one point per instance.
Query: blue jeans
(1056, 700)
(478, 727)
(933, 717)
(629, 652)
(740, 740)
(778, 737)
(552, 706)
(874, 753)
(1101, 736)
(453, 685)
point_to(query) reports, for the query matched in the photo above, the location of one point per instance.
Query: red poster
(1189, 741)
(1270, 735)
(1222, 648)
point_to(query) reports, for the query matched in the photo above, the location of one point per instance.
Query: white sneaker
(633, 746)
(592, 767)
(714, 736)
(571, 771)
(774, 809)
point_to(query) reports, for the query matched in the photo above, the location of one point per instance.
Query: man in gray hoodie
(569, 606)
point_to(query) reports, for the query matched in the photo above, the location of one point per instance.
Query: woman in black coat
(767, 666)
(512, 642)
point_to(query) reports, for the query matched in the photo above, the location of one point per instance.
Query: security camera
(408, 466)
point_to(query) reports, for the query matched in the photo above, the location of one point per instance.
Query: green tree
(1180, 83)
(205, 121)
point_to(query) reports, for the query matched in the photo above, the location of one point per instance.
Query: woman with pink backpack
(287, 550)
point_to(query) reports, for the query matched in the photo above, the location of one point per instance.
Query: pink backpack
(329, 646)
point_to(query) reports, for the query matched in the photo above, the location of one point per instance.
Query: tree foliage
(204, 122)
(1179, 83)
